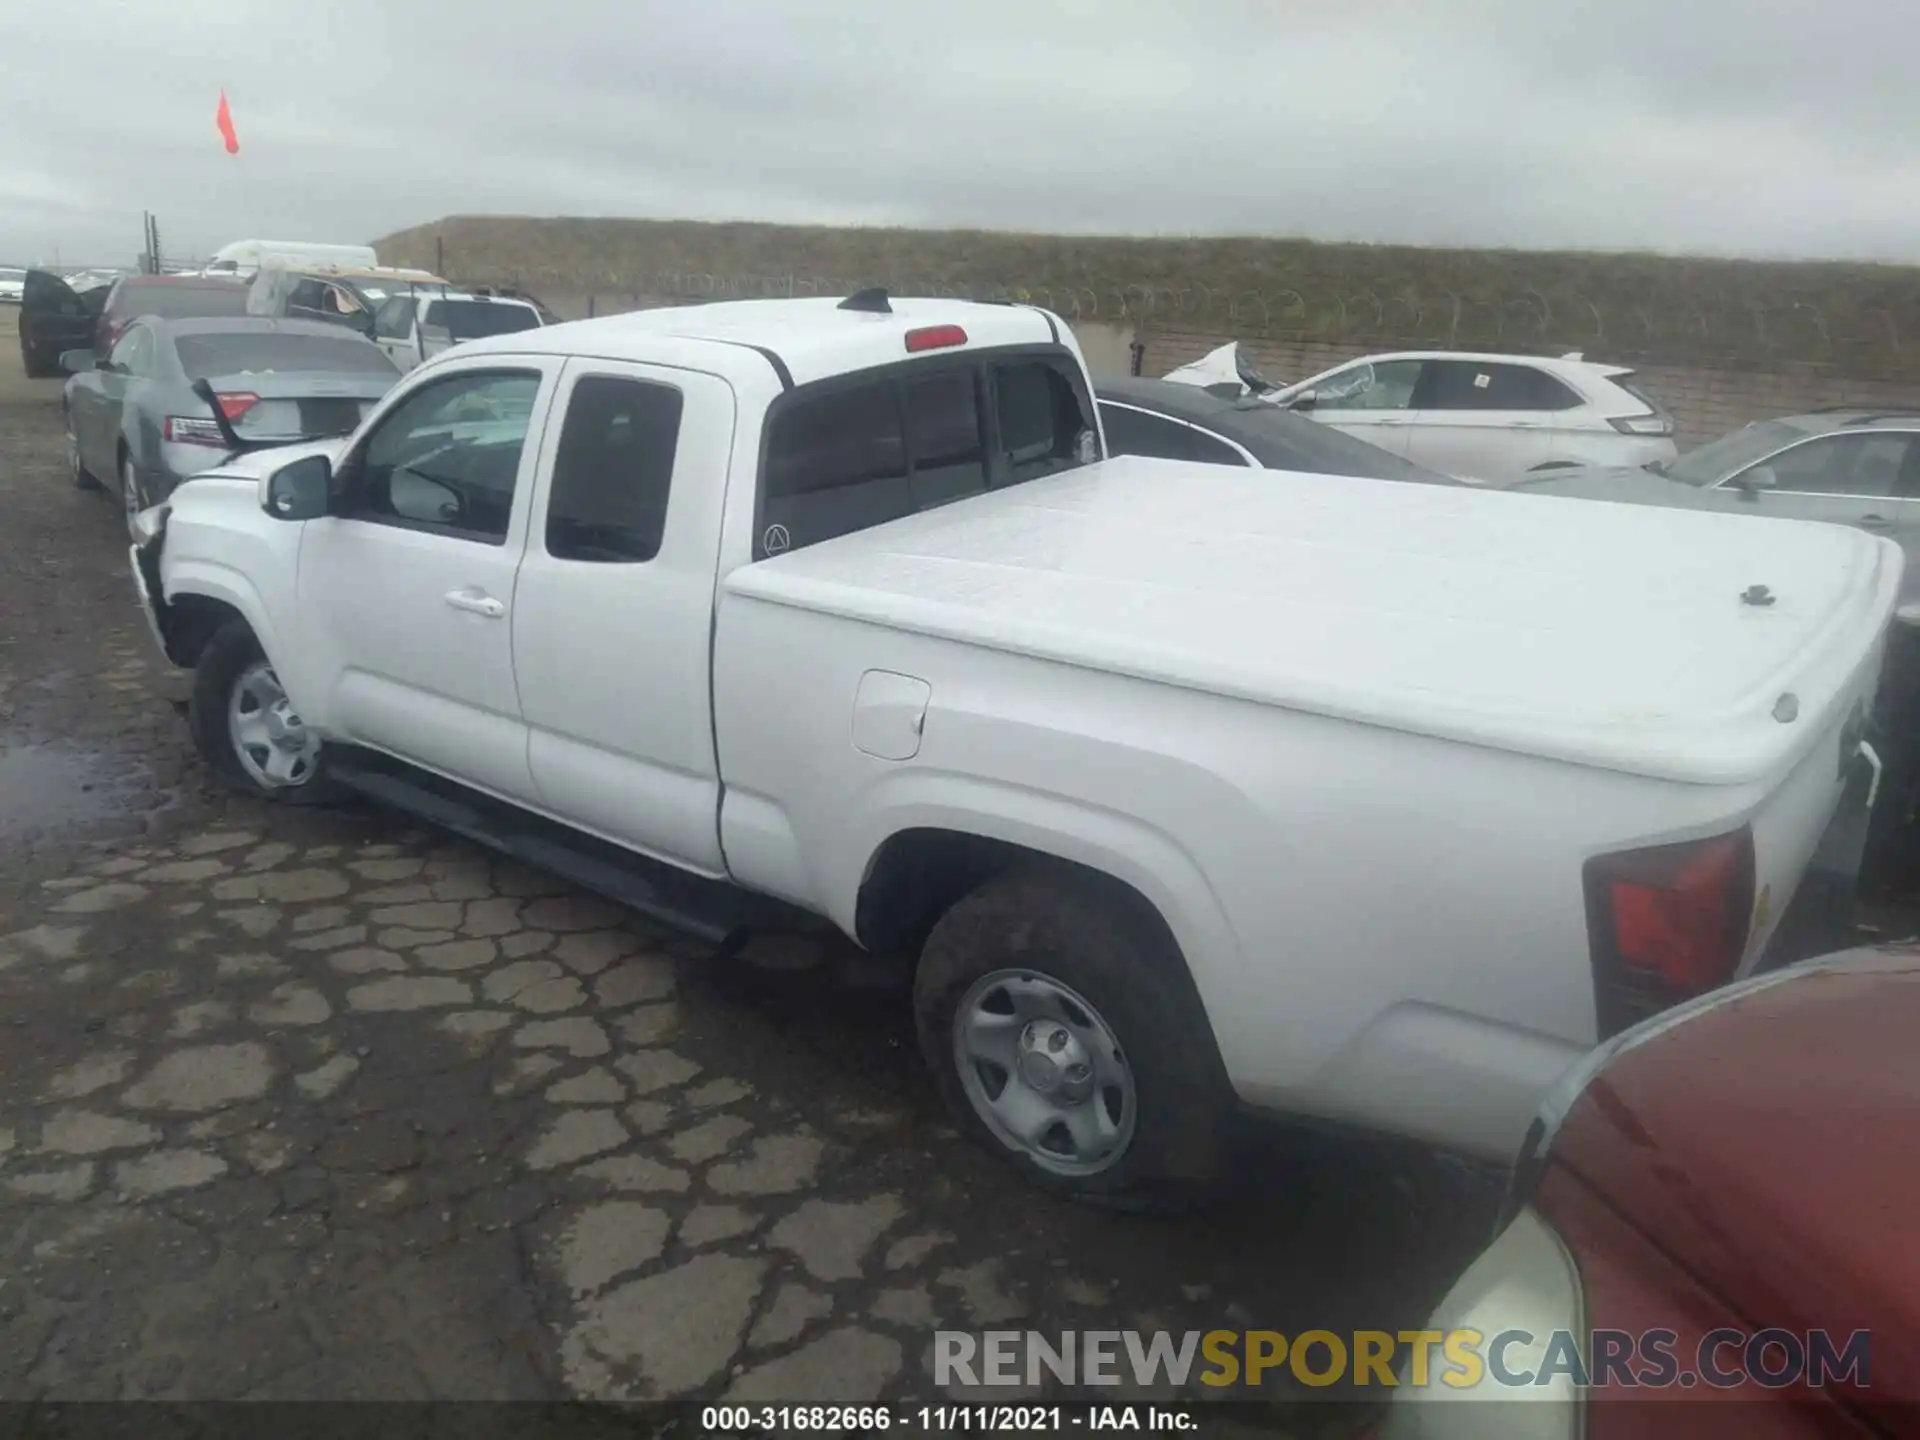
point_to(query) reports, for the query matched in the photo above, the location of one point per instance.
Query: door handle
(1876, 522)
(476, 603)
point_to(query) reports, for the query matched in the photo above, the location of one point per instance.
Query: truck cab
(417, 323)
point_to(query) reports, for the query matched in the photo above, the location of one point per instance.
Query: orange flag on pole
(223, 117)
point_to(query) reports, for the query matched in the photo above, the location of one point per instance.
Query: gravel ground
(309, 1105)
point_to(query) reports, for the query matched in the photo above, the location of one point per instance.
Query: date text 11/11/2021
(973, 1419)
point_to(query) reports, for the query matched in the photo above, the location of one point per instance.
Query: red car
(1713, 1230)
(54, 318)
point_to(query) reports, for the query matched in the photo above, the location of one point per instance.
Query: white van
(242, 258)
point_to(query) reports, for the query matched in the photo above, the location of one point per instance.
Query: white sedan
(13, 285)
(1488, 419)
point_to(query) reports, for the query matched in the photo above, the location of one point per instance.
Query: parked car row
(1488, 419)
(172, 372)
(410, 314)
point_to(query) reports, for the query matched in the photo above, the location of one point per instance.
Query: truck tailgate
(1698, 647)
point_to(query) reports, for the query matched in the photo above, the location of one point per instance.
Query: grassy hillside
(1858, 318)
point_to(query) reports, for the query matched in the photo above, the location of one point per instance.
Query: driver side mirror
(1305, 400)
(77, 362)
(302, 490)
(1751, 482)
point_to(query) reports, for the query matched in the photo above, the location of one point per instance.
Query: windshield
(203, 356)
(7, 272)
(1715, 461)
(475, 319)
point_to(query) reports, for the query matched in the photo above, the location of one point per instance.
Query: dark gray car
(1185, 422)
(136, 418)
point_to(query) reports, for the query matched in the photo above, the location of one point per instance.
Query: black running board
(716, 911)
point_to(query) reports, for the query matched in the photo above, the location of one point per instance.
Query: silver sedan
(137, 418)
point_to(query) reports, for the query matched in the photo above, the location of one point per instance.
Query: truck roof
(812, 339)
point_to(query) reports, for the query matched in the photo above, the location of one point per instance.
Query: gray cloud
(1762, 127)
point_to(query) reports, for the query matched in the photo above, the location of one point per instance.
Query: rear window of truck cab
(477, 319)
(853, 452)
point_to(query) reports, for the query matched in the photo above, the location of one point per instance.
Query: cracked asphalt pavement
(322, 1105)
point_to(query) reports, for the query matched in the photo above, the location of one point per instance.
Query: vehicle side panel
(1347, 897)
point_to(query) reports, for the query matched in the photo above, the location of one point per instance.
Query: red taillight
(1667, 923)
(934, 337)
(234, 404)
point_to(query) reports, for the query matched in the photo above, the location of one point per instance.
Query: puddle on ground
(52, 786)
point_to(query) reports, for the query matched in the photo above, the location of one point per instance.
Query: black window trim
(986, 398)
(1247, 457)
(349, 474)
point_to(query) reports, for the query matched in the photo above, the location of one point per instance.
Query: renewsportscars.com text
(1459, 1359)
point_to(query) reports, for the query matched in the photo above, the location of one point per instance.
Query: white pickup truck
(418, 322)
(1178, 785)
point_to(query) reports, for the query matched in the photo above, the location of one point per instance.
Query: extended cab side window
(1043, 426)
(447, 457)
(613, 471)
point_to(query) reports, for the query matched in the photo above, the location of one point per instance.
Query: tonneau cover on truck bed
(1602, 634)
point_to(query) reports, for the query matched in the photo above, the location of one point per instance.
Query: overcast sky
(1757, 127)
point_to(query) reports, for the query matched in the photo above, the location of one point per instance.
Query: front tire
(1064, 1033)
(245, 728)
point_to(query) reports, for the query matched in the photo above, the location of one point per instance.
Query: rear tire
(1075, 975)
(36, 369)
(235, 727)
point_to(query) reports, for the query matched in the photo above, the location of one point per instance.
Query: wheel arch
(211, 595)
(920, 871)
(192, 620)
